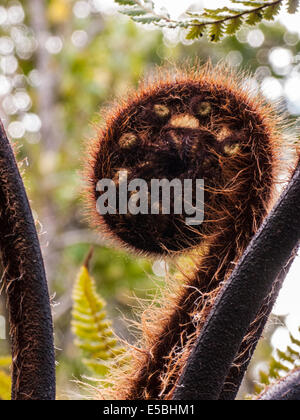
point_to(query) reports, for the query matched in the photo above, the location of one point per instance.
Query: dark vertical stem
(246, 351)
(33, 375)
(241, 299)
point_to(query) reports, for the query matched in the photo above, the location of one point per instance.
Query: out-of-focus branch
(33, 375)
(287, 389)
(241, 299)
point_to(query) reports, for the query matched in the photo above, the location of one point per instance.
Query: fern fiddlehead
(199, 123)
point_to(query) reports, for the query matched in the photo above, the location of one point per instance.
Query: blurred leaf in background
(5, 381)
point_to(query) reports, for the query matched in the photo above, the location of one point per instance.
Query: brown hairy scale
(191, 124)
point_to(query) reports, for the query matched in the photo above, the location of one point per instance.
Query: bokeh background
(61, 62)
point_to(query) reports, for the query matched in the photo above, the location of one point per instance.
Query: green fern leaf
(294, 341)
(195, 32)
(254, 18)
(272, 11)
(293, 353)
(133, 12)
(285, 356)
(147, 19)
(234, 25)
(126, 2)
(216, 13)
(91, 327)
(264, 378)
(219, 22)
(216, 32)
(293, 6)
(278, 367)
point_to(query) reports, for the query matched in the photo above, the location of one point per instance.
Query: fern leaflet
(285, 362)
(92, 329)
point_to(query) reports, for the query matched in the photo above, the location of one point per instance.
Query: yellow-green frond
(92, 330)
(5, 380)
(5, 362)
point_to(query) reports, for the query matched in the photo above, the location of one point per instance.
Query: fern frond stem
(239, 15)
(241, 298)
(248, 346)
(286, 389)
(173, 24)
(33, 360)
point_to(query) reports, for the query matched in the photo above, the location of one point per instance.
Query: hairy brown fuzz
(194, 124)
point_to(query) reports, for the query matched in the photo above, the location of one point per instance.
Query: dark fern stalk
(33, 360)
(241, 298)
(255, 331)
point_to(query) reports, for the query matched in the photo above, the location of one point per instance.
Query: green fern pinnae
(216, 32)
(126, 2)
(285, 362)
(92, 330)
(272, 11)
(5, 380)
(215, 22)
(142, 11)
(195, 32)
(234, 25)
(254, 18)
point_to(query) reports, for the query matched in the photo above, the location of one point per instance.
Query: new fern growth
(91, 327)
(216, 23)
(200, 123)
